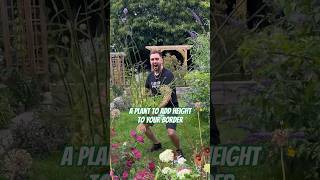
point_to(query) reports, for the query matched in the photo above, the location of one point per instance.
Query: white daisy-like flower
(166, 156)
(166, 170)
(181, 174)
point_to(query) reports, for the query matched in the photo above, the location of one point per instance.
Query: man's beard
(156, 68)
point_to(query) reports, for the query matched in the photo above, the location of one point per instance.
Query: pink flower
(129, 163)
(136, 153)
(113, 176)
(152, 166)
(144, 175)
(133, 133)
(114, 158)
(114, 146)
(139, 138)
(140, 175)
(125, 175)
(113, 132)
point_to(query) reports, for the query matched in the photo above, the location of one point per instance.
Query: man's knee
(171, 132)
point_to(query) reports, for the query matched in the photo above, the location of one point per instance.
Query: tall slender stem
(200, 129)
(75, 50)
(96, 74)
(282, 164)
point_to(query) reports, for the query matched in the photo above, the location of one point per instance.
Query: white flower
(206, 168)
(115, 113)
(181, 160)
(183, 172)
(124, 144)
(166, 156)
(166, 170)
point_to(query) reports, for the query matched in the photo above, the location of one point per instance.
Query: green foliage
(24, 90)
(80, 58)
(128, 122)
(201, 52)
(155, 22)
(199, 79)
(137, 88)
(286, 68)
(310, 150)
(6, 111)
(50, 169)
(199, 88)
(227, 37)
(284, 61)
(308, 8)
(139, 95)
(117, 90)
(173, 64)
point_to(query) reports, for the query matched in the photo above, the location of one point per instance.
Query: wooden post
(117, 74)
(5, 30)
(30, 37)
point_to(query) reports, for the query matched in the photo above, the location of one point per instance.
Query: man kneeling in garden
(161, 77)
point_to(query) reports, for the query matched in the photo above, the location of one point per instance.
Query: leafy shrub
(117, 90)
(199, 88)
(24, 90)
(286, 69)
(17, 164)
(199, 79)
(284, 61)
(172, 63)
(200, 52)
(126, 158)
(38, 137)
(6, 112)
(137, 88)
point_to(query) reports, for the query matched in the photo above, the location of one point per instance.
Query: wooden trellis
(25, 35)
(117, 69)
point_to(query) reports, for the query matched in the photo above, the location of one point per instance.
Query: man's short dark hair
(155, 51)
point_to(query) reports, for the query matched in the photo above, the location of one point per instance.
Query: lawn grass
(187, 131)
(49, 169)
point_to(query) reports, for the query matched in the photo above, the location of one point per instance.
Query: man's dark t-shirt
(166, 78)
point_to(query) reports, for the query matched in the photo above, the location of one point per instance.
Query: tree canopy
(141, 22)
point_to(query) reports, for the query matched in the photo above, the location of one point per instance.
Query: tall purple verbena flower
(125, 11)
(196, 17)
